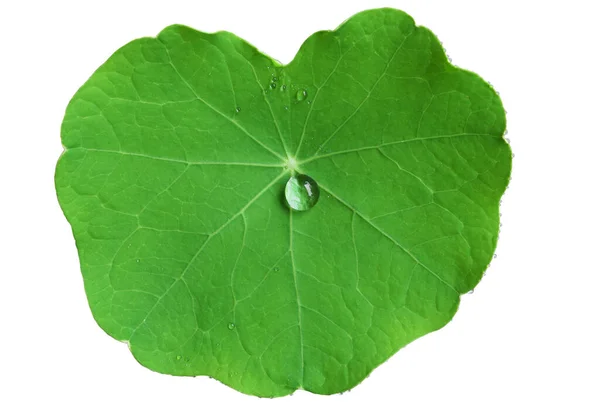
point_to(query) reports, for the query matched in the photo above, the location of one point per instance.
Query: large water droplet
(301, 192)
(301, 95)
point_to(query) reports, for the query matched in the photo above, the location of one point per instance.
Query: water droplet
(495, 256)
(137, 260)
(507, 140)
(273, 85)
(513, 155)
(178, 357)
(283, 87)
(230, 325)
(238, 109)
(274, 78)
(449, 59)
(276, 269)
(301, 95)
(286, 107)
(308, 102)
(471, 291)
(301, 192)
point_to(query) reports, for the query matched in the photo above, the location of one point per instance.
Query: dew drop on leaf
(301, 95)
(238, 109)
(273, 85)
(230, 325)
(301, 192)
(274, 78)
(283, 87)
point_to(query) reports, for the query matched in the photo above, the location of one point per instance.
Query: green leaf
(177, 153)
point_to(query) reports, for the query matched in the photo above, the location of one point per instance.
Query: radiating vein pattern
(177, 152)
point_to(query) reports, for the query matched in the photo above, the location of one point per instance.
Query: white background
(526, 340)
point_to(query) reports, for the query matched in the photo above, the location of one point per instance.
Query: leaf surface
(177, 152)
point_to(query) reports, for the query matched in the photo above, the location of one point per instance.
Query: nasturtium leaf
(177, 154)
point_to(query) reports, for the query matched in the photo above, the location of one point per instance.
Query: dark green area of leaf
(178, 149)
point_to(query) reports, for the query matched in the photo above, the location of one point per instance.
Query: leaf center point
(291, 164)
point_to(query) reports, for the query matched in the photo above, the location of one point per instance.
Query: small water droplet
(495, 256)
(507, 140)
(276, 269)
(230, 325)
(283, 87)
(301, 192)
(137, 260)
(513, 155)
(274, 78)
(273, 85)
(308, 102)
(286, 107)
(178, 357)
(471, 291)
(301, 95)
(238, 109)
(449, 59)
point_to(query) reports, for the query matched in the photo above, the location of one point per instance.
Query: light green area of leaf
(178, 150)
